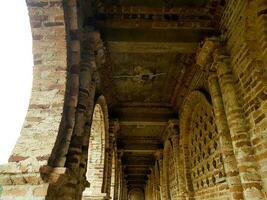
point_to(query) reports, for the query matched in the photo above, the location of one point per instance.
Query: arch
(185, 117)
(49, 124)
(98, 143)
(199, 141)
(136, 194)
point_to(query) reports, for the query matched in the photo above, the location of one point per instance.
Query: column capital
(221, 62)
(212, 76)
(171, 129)
(204, 54)
(174, 137)
(114, 125)
(159, 154)
(120, 154)
(173, 122)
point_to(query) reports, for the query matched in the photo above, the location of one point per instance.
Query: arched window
(16, 73)
(96, 153)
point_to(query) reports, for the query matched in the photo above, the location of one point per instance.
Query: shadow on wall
(136, 194)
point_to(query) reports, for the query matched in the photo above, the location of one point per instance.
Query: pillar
(246, 163)
(229, 161)
(117, 177)
(113, 129)
(159, 159)
(165, 177)
(181, 189)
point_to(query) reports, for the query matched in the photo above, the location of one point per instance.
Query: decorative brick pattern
(204, 149)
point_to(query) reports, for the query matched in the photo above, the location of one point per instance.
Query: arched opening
(96, 154)
(16, 71)
(136, 194)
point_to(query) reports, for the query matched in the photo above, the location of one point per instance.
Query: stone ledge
(18, 168)
(21, 179)
(55, 175)
(16, 174)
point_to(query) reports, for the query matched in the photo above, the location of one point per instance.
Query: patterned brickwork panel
(204, 149)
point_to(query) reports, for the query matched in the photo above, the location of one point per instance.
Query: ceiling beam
(143, 123)
(145, 151)
(135, 185)
(139, 182)
(135, 177)
(152, 47)
(129, 167)
(146, 163)
(155, 35)
(137, 171)
(139, 139)
(139, 146)
(133, 9)
(193, 24)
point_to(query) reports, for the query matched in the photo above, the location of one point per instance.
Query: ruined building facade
(134, 100)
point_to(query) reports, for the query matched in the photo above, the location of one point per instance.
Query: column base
(28, 181)
(18, 181)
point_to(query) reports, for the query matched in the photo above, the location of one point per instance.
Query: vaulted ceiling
(151, 45)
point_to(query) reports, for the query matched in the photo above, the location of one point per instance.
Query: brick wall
(247, 49)
(238, 93)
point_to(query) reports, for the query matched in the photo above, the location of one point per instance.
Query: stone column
(117, 176)
(113, 171)
(149, 186)
(113, 128)
(246, 163)
(121, 178)
(229, 161)
(108, 152)
(159, 159)
(152, 183)
(165, 178)
(181, 184)
(124, 188)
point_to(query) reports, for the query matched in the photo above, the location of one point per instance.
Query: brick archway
(136, 194)
(61, 104)
(97, 157)
(50, 118)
